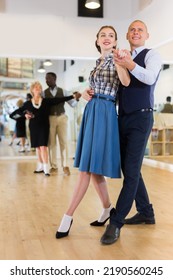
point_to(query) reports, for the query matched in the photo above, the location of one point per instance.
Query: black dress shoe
(99, 224)
(111, 235)
(47, 174)
(37, 172)
(140, 219)
(60, 234)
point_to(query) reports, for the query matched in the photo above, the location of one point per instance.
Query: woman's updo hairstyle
(105, 26)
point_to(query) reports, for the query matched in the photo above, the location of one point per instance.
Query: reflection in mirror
(157, 148)
(16, 76)
(72, 74)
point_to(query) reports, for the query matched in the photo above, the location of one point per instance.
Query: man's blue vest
(137, 95)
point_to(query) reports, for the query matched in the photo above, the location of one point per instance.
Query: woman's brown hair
(104, 26)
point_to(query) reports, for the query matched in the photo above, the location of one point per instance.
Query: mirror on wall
(16, 76)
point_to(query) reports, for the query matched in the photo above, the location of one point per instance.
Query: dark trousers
(134, 130)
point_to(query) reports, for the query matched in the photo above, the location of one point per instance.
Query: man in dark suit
(135, 123)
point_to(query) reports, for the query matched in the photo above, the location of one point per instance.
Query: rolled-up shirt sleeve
(149, 74)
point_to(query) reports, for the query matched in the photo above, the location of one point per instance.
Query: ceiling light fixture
(92, 4)
(41, 68)
(47, 62)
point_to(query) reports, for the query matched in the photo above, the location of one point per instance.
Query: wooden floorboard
(31, 207)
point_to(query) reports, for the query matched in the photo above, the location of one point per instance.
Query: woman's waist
(104, 96)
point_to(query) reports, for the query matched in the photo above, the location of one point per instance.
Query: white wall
(53, 29)
(50, 29)
(31, 28)
(50, 36)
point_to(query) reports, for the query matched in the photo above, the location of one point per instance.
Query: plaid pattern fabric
(104, 78)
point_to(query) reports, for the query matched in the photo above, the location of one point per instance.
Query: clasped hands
(123, 58)
(77, 95)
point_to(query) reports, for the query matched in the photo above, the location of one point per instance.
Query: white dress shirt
(71, 102)
(153, 63)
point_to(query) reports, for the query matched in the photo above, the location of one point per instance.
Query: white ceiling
(68, 8)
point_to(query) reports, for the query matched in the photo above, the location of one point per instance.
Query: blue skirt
(98, 149)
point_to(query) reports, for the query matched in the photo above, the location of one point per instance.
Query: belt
(140, 110)
(104, 97)
(146, 110)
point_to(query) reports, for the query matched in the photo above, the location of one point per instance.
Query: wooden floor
(31, 207)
